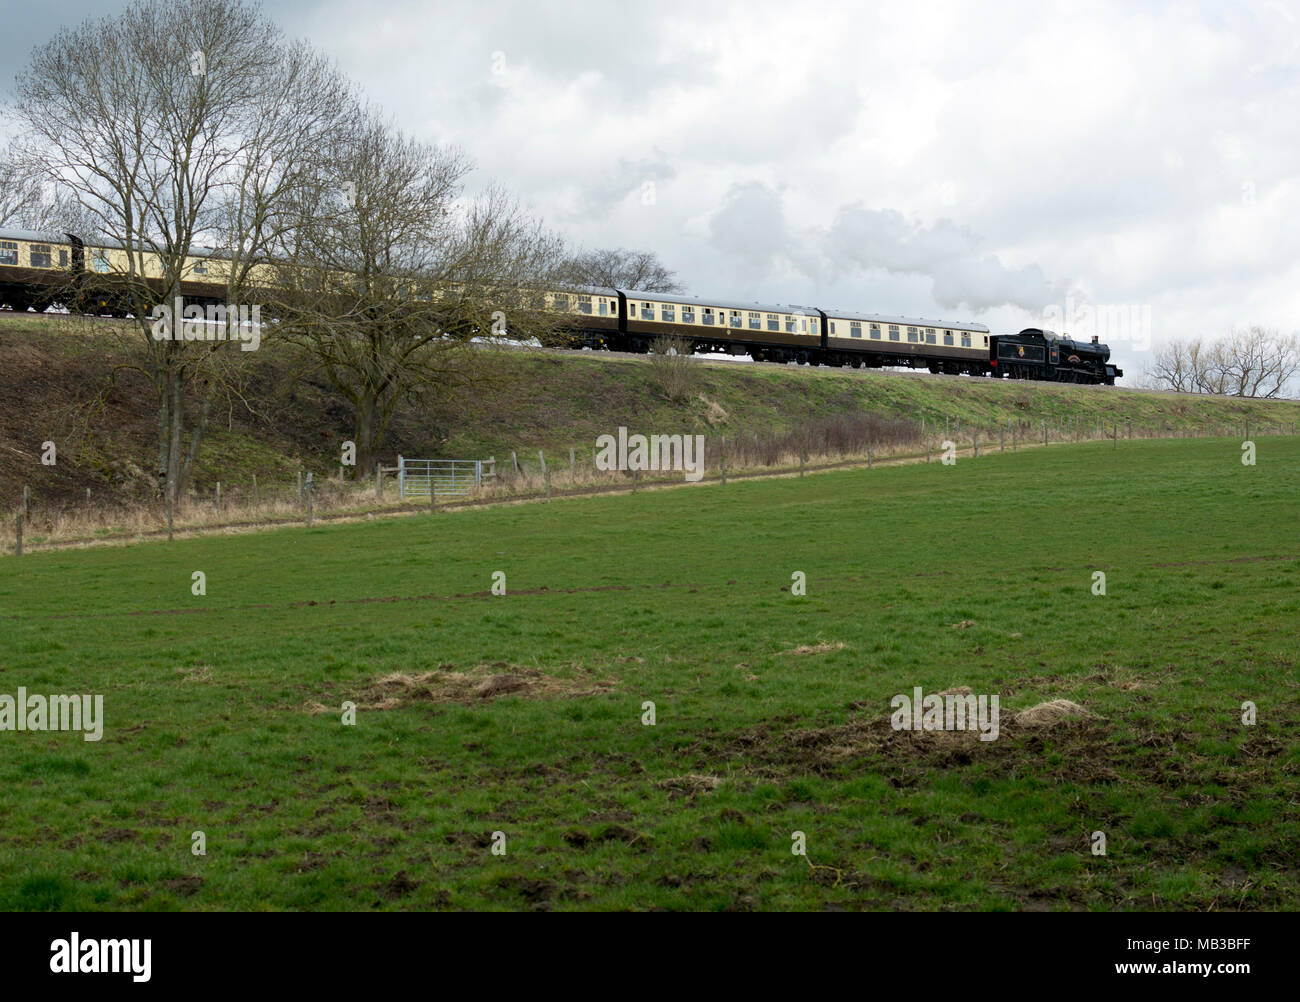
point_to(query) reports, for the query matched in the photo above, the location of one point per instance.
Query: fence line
(466, 478)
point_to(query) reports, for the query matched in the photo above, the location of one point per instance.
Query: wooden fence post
(801, 462)
(724, 460)
(869, 455)
(977, 445)
(573, 464)
(218, 495)
(1002, 437)
(255, 495)
(300, 485)
(515, 459)
(1044, 432)
(27, 501)
(310, 508)
(18, 535)
(170, 506)
(379, 481)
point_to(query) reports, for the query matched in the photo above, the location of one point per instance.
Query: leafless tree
(1171, 367)
(641, 271)
(1254, 362)
(19, 195)
(169, 123)
(389, 274)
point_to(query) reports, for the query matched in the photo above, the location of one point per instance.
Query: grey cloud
(963, 274)
(625, 177)
(752, 231)
(750, 228)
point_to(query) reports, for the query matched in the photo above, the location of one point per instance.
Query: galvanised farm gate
(420, 478)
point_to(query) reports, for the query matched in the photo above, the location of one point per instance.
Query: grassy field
(523, 714)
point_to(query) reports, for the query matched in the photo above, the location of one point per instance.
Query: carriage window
(947, 337)
(965, 340)
(561, 304)
(647, 311)
(201, 268)
(911, 334)
(773, 322)
(40, 255)
(669, 313)
(855, 330)
(735, 318)
(929, 335)
(755, 321)
(101, 261)
(707, 316)
(832, 326)
(604, 307)
(986, 342)
(893, 332)
(688, 314)
(789, 324)
(875, 331)
(8, 252)
(584, 304)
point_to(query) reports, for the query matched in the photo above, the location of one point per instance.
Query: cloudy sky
(1011, 163)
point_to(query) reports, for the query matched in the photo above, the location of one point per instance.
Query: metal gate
(418, 478)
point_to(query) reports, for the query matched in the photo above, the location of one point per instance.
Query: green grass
(682, 598)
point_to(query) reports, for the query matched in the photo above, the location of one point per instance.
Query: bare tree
(641, 271)
(1258, 362)
(19, 195)
(1247, 363)
(171, 122)
(1171, 368)
(388, 274)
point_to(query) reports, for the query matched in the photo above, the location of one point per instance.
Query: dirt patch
(118, 835)
(689, 785)
(965, 624)
(480, 683)
(905, 756)
(814, 649)
(184, 886)
(1051, 713)
(400, 886)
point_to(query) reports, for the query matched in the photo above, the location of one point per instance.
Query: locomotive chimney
(1094, 339)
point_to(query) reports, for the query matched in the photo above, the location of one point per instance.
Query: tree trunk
(366, 431)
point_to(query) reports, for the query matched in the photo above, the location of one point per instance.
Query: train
(630, 321)
(41, 270)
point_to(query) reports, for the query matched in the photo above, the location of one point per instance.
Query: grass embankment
(522, 713)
